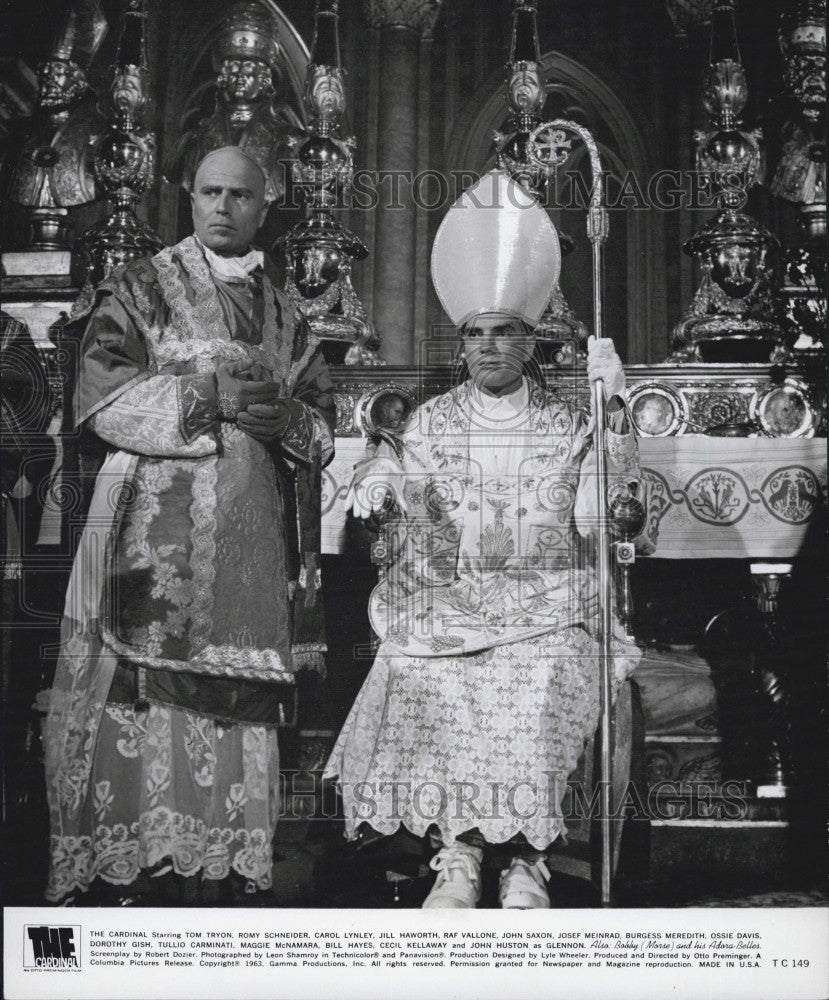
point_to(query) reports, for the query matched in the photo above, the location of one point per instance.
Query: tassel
(142, 703)
(309, 656)
(310, 578)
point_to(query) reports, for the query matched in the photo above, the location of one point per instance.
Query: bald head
(232, 158)
(228, 200)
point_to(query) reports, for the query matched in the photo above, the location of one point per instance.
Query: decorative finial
(319, 251)
(124, 161)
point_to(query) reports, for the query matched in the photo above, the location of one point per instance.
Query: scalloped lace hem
(121, 865)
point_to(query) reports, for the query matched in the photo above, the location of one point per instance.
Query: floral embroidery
(158, 748)
(203, 556)
(254, 756)
(235, 801)
(133, 731)
(199, 749)
(496, 544)
(489, 551)
(103, 799)
(146, 419)
(142, 819)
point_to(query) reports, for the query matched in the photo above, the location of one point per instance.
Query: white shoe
(458, 885)
(523, 886)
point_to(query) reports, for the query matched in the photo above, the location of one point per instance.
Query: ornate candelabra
(526, 96)
(319, 251)
(125, 162)
(735, 315)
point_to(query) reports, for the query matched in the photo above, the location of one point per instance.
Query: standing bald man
(194, 594)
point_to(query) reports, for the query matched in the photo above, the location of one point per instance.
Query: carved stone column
(401, 25)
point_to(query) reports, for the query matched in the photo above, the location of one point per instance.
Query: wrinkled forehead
(230, 168)
(496, 325)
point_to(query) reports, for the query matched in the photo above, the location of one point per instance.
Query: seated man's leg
(458, 882)
(523, 883)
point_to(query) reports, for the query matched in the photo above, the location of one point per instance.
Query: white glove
(603, 363)
(374, 481)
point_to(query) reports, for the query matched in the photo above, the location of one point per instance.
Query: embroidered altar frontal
(732, 498)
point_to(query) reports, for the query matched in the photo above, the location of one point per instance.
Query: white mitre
(496, 251)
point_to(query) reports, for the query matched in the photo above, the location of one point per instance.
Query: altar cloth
(713, 497)
(733, 498)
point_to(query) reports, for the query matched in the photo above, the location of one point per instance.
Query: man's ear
(264, 214)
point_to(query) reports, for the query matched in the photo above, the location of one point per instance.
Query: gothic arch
(577, 92)
(198, 75)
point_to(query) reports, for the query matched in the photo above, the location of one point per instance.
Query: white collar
(499, 408)
(232, 268)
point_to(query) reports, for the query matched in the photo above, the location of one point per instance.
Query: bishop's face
(326, 94)
(805, 77)
(496, 348)
(128, 90)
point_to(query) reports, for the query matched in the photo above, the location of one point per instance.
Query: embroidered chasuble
(194, 594)
(486, 683)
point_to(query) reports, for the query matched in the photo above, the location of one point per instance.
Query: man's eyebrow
(235, 191)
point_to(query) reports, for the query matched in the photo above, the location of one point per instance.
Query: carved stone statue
(250, 109)
(52, 168)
